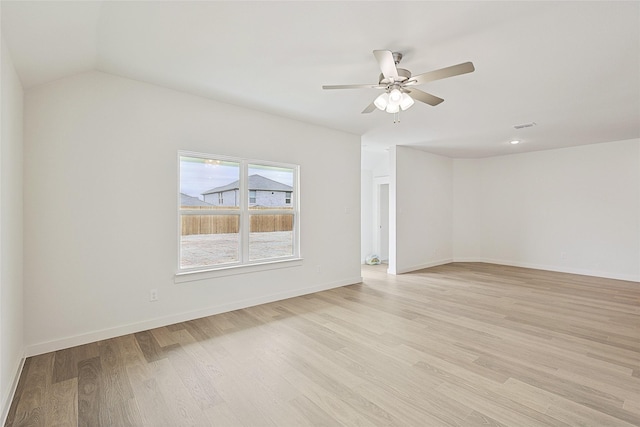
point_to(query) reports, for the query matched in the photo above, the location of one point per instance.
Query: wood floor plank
(11, 414)
(151, 350)
(62, 403)
(498, 408)
(312, 412)
(192, 374)
(162, 336)
(478, 419)
(461, 344)
(31, 407)
(328, 401)
(117, 394)
(117, 388)
(150, 402)
(66, 361)
(183, 407)
(632, 405)
(558, 407)
(65, 365)
(222, 415)
(90, 392)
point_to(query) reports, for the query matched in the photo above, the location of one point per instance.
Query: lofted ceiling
(573, 68)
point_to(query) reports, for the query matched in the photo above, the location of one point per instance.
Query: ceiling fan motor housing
(403, 75)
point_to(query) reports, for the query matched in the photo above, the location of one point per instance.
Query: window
(218, 228)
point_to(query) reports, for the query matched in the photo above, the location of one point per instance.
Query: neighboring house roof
(186, 200)
(256, 182)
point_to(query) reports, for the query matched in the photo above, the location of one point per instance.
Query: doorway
(383, 222)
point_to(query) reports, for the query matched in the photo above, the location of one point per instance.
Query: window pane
(212, 224)
(270, 236)
(271, 186)
(209, 183)
(207, 240)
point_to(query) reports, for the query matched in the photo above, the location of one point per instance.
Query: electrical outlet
(153, 295)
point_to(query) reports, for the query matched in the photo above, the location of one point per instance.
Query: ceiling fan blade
(443, 73)
(425, 97)
(369, 108)
(387, 64)
(353, 87)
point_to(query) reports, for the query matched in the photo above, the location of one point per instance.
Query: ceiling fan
(399, 85)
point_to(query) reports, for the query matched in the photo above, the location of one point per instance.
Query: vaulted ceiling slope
(571, 67)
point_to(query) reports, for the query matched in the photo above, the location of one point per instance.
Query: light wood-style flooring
(463, 344)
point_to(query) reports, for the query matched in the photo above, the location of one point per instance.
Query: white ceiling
(571, 67)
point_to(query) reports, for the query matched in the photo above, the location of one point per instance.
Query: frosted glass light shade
(382, 101)
(393, 108)
(395, 96)
(406, 102)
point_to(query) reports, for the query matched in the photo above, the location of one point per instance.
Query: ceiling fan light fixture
(382, 101)
(395, 96)
(397, 84)
(393, 108)
(406, 102)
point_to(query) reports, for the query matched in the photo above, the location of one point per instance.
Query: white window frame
(244, 212)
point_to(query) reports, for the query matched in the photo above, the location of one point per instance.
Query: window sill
(191, 276)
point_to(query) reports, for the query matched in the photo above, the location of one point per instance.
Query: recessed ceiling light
(514, 142)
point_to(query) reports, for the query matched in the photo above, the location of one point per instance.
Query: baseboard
(558, 269)
(59, 344)
(423, 266)
(6, 405)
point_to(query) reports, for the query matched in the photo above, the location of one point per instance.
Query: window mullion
(244, 212)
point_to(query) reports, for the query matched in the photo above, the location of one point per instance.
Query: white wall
(468, 236)
(422, 187)
(393, 212)
(100, 206)
(575, 210)
(11, 238)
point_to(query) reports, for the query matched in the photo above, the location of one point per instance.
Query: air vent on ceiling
(525, 125)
